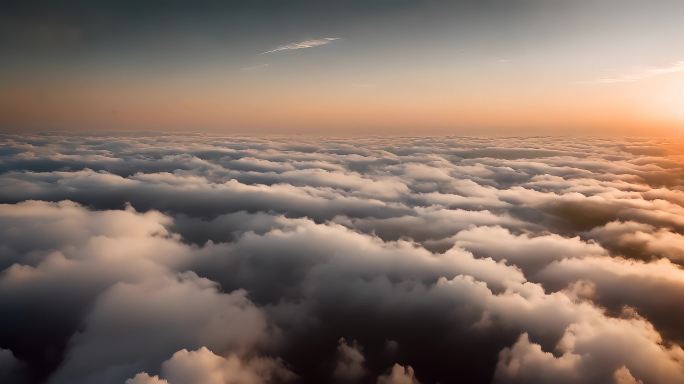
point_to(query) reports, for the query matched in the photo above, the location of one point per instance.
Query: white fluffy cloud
(169, 314)
(599, 351)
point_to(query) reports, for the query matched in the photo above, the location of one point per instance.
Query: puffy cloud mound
(144, 378)
(191, 259)
(399, 375)
(203, 366)
(349, 366)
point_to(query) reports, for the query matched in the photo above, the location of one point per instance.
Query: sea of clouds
(226, 260)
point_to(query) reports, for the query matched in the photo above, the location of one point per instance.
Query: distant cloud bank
(214, 260)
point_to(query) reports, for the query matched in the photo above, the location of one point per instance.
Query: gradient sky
(375, 66)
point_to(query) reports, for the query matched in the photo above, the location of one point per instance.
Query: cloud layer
(185, 259)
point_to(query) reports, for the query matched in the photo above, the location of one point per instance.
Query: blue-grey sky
(343, 66)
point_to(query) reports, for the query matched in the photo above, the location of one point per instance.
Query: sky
(508, 67)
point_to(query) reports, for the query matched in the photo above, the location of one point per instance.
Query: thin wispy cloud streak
(256, 67)
(641, 74)
(303, 45)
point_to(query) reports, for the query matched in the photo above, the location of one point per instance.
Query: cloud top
(184, 259)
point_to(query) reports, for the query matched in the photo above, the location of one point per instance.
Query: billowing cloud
(398, 375)
(185, 259)
(203, 366)
(583, 357)
(350, 363)
(185, 311)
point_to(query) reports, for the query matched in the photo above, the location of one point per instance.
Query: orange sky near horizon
(647, 107)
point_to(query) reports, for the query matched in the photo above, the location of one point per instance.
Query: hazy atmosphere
(345, 67)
